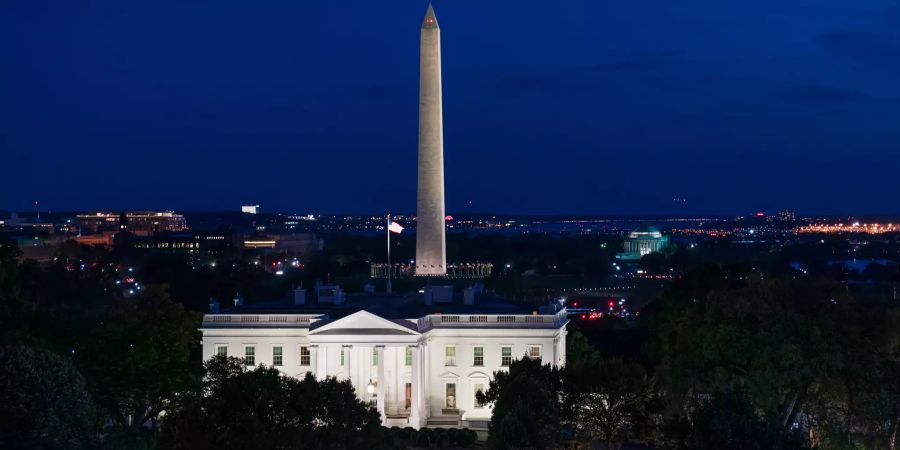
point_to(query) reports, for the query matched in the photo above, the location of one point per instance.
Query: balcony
(492, 321)
(258, 320)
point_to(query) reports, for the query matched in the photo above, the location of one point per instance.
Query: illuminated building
(250, 209)
(142, 223)
(643, 241)
(419, 365)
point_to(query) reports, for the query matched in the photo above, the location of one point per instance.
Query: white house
(421, 365)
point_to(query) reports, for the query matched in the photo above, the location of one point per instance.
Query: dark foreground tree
(526, 406)
(607, 400)
(728, 421)
(262, 409)
(139, 360)
(43, 402)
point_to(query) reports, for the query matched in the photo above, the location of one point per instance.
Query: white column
(347, 357)
(415, 413)
(425, 385)
(380, 389)
(313, 359)
(321, 362)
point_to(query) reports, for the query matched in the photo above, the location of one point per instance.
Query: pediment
(365, 323)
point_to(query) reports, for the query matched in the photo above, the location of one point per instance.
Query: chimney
(469, 296)
(299, 296)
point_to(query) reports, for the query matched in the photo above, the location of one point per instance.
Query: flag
(395, 227)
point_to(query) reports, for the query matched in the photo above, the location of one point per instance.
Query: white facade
(421, 371)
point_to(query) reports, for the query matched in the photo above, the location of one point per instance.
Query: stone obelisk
(431, 245)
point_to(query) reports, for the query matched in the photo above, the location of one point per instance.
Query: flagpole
(388, 229)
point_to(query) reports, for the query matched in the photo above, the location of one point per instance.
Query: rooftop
(387, 306)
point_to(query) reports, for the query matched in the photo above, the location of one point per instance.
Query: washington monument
(431, 245)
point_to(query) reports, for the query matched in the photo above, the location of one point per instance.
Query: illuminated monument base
(454, 271)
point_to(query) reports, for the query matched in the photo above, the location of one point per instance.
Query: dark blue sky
(582, 106)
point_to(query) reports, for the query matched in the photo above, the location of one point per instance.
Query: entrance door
(408, 394)
(450, 399)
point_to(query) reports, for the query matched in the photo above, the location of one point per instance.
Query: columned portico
(416, 372)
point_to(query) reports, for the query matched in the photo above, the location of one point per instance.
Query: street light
(370, 388)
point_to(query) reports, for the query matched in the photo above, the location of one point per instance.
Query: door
(408, 395)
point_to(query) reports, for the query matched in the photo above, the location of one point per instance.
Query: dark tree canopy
(236, 408)
(527, 406)
(43, 402)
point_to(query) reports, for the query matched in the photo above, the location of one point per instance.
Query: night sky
(570, 107)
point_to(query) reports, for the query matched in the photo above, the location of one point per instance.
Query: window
(374, 356)
(476, 388)
(478, 356)
(277, 359)
(450, 398)
(304, 356)
(505, 356)
(409, 351)
(342, 356)
(534, 351)
(450, 356)
(222, 350)
(250, 355)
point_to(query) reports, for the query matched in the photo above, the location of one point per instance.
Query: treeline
(732, 359)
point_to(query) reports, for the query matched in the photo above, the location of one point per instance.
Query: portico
(382, 358)
(416, 372)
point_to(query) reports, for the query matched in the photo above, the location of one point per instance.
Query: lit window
(478, 356)
(304, 356)
(277, 359)
(374, 356)
(478, 387)
(250, 356)
(409, 351)
(505, 356)
(534, 351)
(222, 350)
(449, 356)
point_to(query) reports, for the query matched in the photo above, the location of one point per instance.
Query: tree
(262, 409)
(578, 349)
(43, 402)
(527, 402)
(606, 399)
(138, 361)
(803, 353)
(13, 312)
(728, 421)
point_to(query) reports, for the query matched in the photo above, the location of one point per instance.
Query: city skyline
(589, 110)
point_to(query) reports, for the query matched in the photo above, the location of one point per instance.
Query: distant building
(250, 209)
(643, 241)
(786, 216)
(141, 223)
(206, 243)
(288, 243)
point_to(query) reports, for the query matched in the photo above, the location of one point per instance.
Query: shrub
(443, 440)
(454, 434)
(467, 438)
(423, 440)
